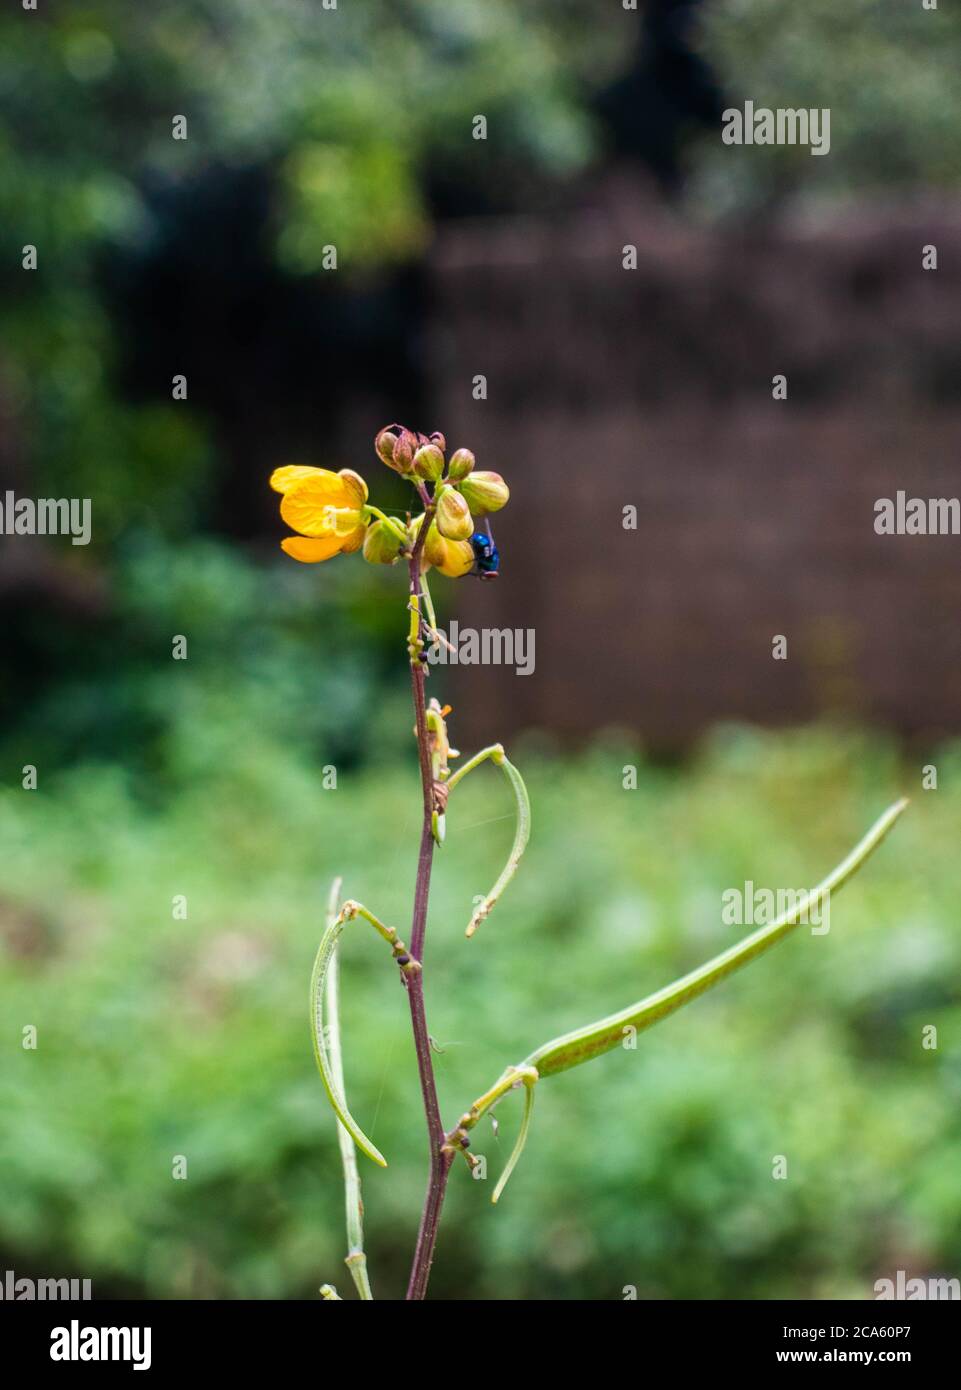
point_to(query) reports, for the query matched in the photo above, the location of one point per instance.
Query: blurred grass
(160, 1037)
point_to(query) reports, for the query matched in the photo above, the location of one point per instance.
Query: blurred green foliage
(267, 650)
(653, 1168)
(884, 69)
(349, 106)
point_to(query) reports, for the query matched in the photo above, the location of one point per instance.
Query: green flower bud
(461, 463)
(381, 544)
(429, 463)
(453, 516)
(484, 492)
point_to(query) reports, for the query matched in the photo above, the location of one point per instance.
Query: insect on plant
(487, 560)
(331, 515)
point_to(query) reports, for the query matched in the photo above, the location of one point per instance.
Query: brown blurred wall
(652, 387)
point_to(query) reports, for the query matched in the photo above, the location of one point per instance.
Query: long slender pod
(583, 1044)
(356, 1260)
(318, 1009)
(522, 831)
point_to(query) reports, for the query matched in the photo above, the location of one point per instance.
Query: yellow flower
(328, 509)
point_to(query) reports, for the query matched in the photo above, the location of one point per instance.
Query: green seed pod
(485, 492)
(453, 516)
(461, 463)
(429, 463)
(381, 545)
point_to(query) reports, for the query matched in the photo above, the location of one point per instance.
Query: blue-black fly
(487, 560)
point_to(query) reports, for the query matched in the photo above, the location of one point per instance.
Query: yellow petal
(310, 550)
(458, 559)
(354, 541)
(306, 503)
(355, 486)
(283, 478)
(435, 547)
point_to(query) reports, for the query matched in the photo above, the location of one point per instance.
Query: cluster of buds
(332, 515)
(460, 493)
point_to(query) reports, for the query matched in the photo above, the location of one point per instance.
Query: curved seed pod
(318, 980)
(521, 1140)
(522, 832)
(356, 1260)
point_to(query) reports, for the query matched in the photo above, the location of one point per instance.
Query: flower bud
(433, 542)
(435, 547)
(438, 439)
(454, 520)
(381, 544)
(384, 444)
(429, 463)
(403, 455)
(458, 559)
(484, 492)
(461, 463)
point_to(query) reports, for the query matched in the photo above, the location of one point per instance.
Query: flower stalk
(440, 1159)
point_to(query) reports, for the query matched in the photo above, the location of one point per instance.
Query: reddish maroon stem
(440, 1161)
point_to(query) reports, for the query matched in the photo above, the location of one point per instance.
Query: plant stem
(440, 1161)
